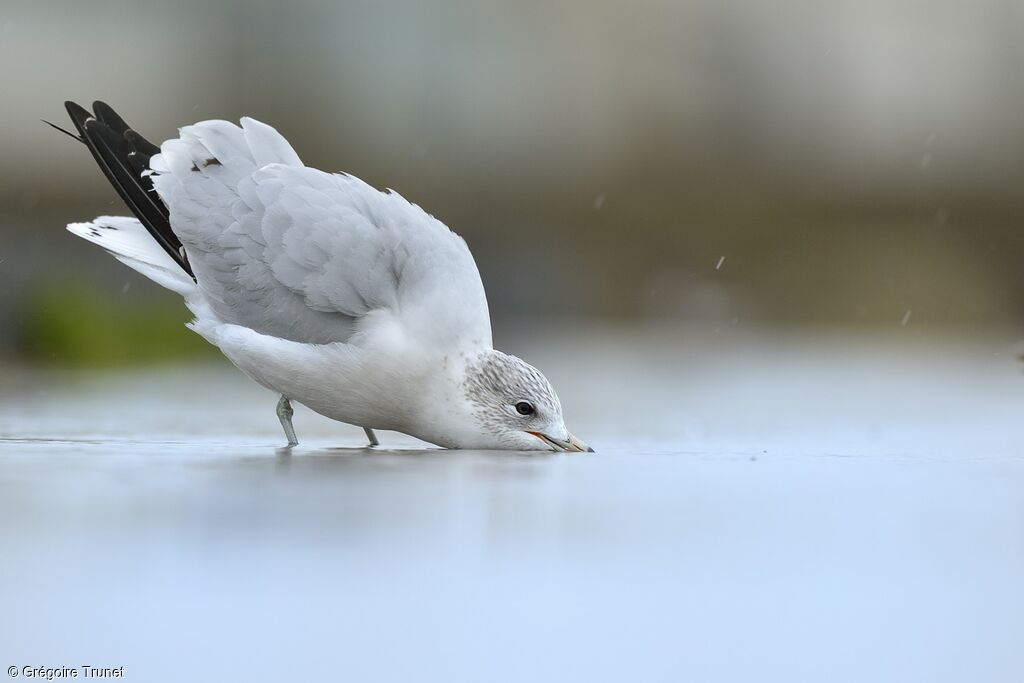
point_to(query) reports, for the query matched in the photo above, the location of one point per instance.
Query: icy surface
(760, 509)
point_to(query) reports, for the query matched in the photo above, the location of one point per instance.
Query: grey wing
(304, 255)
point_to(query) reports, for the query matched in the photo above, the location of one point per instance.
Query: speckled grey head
(515, 403)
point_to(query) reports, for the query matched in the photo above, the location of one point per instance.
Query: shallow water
(758, 509)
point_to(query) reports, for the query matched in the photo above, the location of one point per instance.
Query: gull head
(512, 406)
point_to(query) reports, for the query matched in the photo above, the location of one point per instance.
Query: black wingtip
(141, 144)
(62, 130)
(78, 113)
(123, 156)
(105, 113)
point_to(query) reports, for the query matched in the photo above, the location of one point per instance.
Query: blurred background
(727, 165)
(770, 253)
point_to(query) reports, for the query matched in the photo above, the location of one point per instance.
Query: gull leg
(284, 414)
(371, 436)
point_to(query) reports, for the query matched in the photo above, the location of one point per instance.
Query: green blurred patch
(82, 325)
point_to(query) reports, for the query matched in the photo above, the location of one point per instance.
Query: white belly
(382, 390)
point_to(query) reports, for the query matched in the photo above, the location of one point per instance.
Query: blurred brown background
(847, 163)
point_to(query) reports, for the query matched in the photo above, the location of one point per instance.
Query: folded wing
(309, 256)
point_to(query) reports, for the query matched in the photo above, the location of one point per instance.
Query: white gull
(353, 302)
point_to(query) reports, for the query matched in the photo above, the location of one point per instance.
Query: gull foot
(284, 414)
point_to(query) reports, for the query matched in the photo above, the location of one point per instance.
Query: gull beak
(569, 445)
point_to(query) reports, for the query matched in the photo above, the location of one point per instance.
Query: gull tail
(127, 240)
(123, 155)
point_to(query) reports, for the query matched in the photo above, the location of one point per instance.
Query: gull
(353, 302)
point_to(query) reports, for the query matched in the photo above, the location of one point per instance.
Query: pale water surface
(759, 509)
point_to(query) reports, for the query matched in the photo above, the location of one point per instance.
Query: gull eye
(524, 408)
